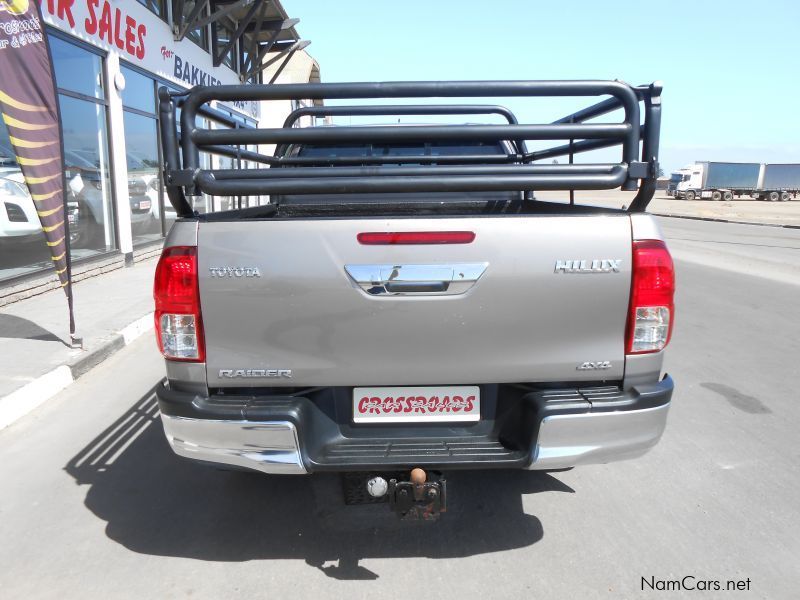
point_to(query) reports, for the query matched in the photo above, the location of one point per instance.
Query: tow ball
(416, 499)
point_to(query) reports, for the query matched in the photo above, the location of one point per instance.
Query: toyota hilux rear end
(404, 302)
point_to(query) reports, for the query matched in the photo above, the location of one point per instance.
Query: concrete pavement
(110, 311)
(97, 506)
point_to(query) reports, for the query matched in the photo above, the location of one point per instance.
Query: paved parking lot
(94, 505)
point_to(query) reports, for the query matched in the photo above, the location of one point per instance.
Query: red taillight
(652, 308)
(375, 238)
(179, 327)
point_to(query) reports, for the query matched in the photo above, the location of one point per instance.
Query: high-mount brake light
(652, 308)
(179, 326)
(382, 238)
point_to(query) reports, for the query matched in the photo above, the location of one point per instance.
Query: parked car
(19, 222)
(405, 306)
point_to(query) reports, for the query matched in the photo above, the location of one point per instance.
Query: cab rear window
(431, 149)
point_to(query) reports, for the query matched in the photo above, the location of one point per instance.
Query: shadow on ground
(12, 326)
(157, 503)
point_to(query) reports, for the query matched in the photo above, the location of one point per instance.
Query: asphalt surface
(94, 505)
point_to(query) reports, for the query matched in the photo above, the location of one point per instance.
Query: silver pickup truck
(404, 305)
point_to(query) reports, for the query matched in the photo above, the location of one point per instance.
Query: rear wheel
(716, 195)
(773, 196)
(690, 195)
(785, 196)
(727, 196)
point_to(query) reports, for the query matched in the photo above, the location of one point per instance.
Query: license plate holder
(417, 404)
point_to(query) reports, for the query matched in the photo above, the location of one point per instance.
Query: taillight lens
(179, 327)
(652, 308)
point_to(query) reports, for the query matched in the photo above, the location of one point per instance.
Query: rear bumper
(597, 437)
(542, 429)
(271, 447)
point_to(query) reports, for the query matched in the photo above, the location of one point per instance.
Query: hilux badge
(596, 265)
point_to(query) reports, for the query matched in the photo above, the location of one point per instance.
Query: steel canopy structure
(262, 27)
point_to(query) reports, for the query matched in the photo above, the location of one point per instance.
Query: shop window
(86, 164)
(88, 174)
(152, 213)
(155, 6)
(141, 151)
(139, 92)
(76, 69)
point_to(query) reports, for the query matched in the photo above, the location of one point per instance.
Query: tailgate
(282, 295)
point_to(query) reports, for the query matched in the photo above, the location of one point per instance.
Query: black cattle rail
(288, 174)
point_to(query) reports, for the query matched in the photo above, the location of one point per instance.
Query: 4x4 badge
(591, 366)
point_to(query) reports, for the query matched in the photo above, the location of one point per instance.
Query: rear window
(432, 149)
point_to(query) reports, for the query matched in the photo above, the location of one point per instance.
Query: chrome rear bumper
(590, 438)
(270, 447)
(287, 435)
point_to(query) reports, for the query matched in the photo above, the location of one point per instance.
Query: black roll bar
(403, 110)
(421, 133)
(207, 182)
(427, 173)
(400, 110)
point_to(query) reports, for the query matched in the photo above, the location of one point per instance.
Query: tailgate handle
(420, 287)
(410, 280)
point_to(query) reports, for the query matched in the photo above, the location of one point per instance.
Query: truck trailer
(728, 180)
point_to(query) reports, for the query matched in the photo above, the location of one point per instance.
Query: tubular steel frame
(451, 173)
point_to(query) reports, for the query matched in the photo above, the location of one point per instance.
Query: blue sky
(728, 94)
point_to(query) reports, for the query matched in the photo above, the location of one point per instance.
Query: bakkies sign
(140, 37)
(193, 75)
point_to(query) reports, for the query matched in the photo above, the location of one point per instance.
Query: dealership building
(109, 58)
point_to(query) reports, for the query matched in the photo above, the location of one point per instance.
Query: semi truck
(728, 180)
(675, 178)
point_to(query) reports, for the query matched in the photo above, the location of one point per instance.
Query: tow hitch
(414, 496)
(417, 499)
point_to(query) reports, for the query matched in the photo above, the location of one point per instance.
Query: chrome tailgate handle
(416, 280)
(416, 287)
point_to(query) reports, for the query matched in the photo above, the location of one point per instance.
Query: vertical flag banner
(30, 110)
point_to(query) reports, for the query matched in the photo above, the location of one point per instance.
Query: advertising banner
(30, 110)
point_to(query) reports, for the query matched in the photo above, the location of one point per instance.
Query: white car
(18, 218)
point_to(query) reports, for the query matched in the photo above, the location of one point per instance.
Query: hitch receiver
(418, 500)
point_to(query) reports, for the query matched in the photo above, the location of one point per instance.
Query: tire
(785, 197)
(716, 195)
(727, 196)
(690, 195)
(773, 196)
